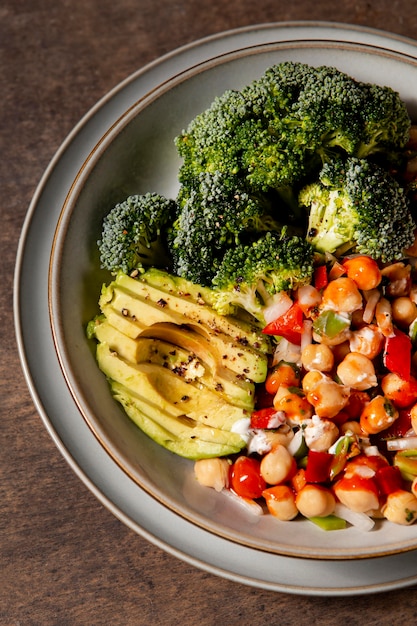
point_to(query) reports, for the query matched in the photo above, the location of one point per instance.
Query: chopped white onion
(361, 521)
(307, 334)
(248, 505)
(280, 305)
(287, 351)
(372, 297)
(403, 443)
(308, 296)
(295, 442)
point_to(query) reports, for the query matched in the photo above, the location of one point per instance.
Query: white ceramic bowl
(136, 155)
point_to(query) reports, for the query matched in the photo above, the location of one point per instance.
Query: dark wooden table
(64, 558)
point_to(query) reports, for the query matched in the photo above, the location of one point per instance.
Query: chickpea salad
(334, 434)
(263, 323)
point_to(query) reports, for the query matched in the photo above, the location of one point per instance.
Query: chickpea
(364, 271)
(212, 473)
(320, 434)
(317, 356)
(296, 406)
(311, 379)
(280, 501)
(342, 295)
(328, 397)
(357, 371)
(401, 392)
(278, 465)
(367, 341)
(378, 415)
(353, 427)
(283, 435)
(404, 311)
(401, 507)
(357, 493)
(315, 501)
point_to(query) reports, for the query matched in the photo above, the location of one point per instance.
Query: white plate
(50, 393)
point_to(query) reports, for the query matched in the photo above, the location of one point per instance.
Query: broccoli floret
(282, 127)
(214, 214)
(208, 144)
(386, 123)
(251, 276)
(357, 206)
(134, 233)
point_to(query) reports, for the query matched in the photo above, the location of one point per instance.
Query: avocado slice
(178, 357)
(223, 379)
(170, 392)
(183, 373)
(135, 315)
(199, 312)
(184, 441)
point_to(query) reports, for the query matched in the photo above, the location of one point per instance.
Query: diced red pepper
(397, 354)
(400, 427)
(320, 277)
(289, 325)
(266, 418)
(388, 479)
(318, 466)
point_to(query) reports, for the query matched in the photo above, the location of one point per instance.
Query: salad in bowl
(263, 322)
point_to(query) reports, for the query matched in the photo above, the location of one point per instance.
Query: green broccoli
(356, 206)
(134, 233)
(279, 130)
(214, 214)
(251, 276)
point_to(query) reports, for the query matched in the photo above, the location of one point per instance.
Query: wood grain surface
(64, 559)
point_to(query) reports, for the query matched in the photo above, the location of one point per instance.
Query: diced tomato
(320, 278)
(246, 479)
(388, 479)
(397, 354)
(266, 418)
(318, 466)
(289, 325)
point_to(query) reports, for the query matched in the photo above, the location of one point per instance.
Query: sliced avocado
(170, 392)
(181, 426)
(188, 446)
(124, 345)
(199, 312)
(177, 285)
(224, 380)
(133, 315)
(127, 325)
(191, 368)
(180, 359)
